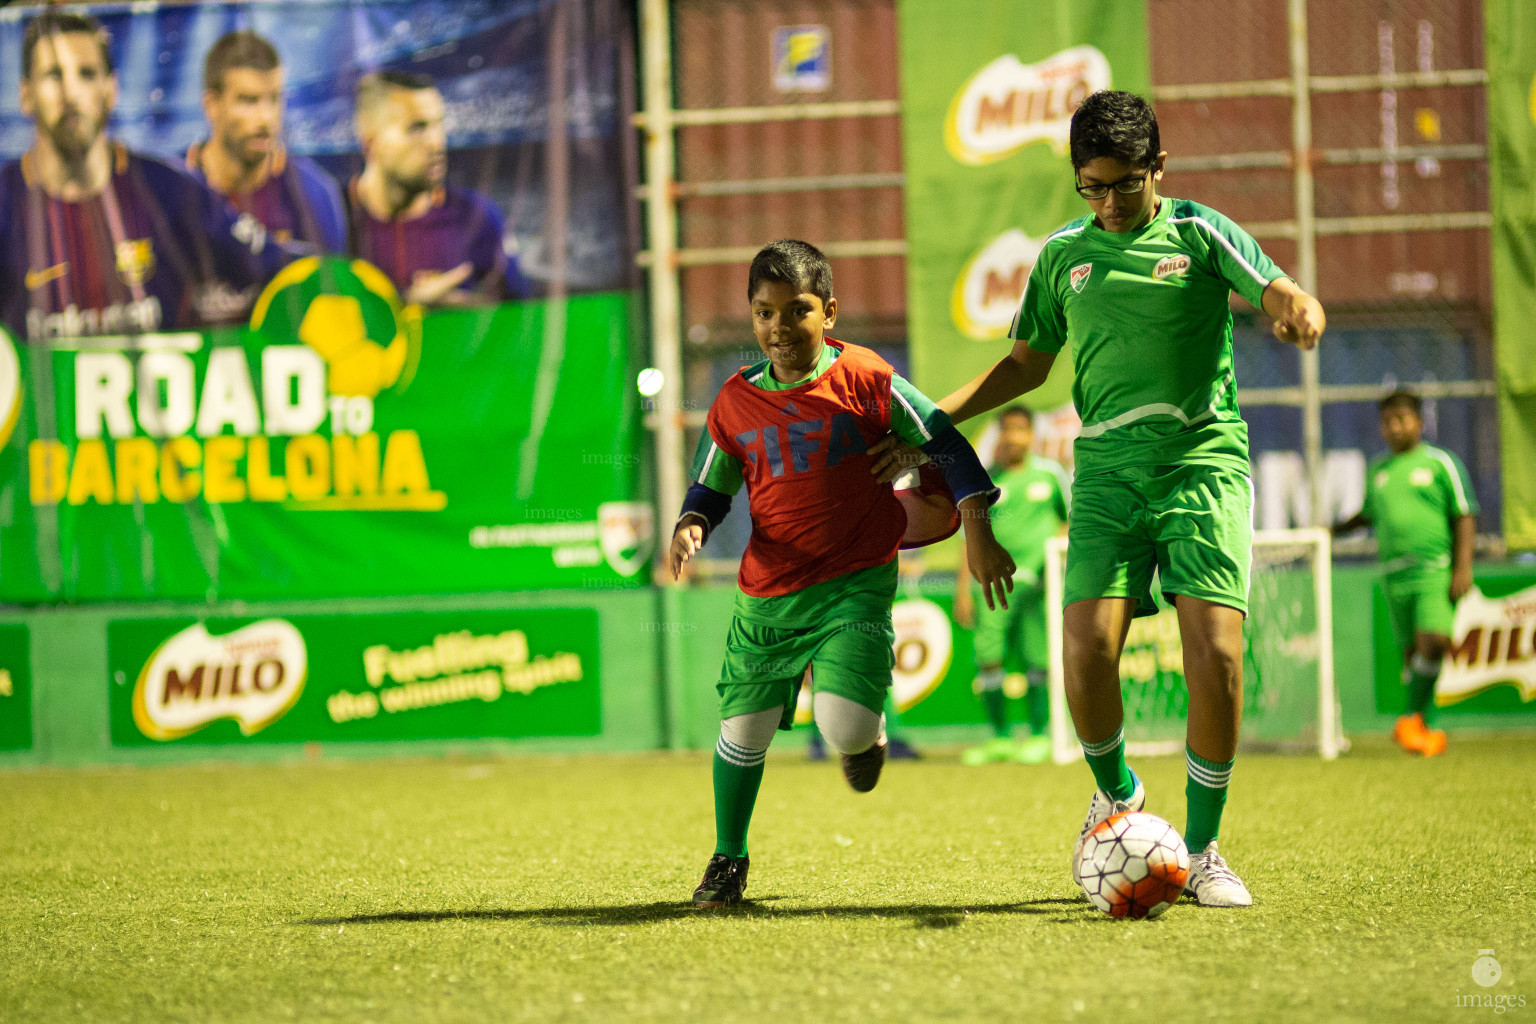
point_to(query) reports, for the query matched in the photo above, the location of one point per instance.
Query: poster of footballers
(160, 195)
(296, 277)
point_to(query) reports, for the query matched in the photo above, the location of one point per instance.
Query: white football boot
(1102, 807)
(1212, 883)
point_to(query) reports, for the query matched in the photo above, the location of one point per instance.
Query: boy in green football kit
(1161, 483)
(1420, 502)
(819, 574)
(1031, 509)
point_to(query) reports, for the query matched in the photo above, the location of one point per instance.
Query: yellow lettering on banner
(90, 479)
(48, 469)
(405, 468)
(220, 483)
(137, 458)
(356, 463)
(258, 467)
(178, 457)
(308, 460)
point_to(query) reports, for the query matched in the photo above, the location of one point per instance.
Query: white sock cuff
(1208, 777)
(741, 757)
(1423, 666)
(989, 679)
(1104, 746)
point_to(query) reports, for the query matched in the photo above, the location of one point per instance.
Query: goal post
(1289, 699)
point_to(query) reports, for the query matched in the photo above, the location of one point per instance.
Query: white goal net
(1289, 702)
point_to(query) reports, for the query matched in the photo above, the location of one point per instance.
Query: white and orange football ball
(1133, 865)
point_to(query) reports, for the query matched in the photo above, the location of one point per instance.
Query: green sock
(1206, 795)
(997, 711)
(1421, 689)
(735, 795)
(1107, 759)
(1038, 697)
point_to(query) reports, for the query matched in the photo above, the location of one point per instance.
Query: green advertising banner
(342, 446)
(988, 90)
(335, 678)
(15, 688)
(1511, 41)
(1491, 667)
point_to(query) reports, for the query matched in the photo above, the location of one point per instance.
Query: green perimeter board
(15, 688)
(1498, 699)
(334, 702)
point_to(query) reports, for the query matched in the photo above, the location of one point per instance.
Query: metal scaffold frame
(663, 259)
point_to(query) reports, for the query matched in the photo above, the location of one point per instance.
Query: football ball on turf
(1133, 865)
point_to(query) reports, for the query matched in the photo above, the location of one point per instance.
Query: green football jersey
(1411, 500)
(1030, 510)
(1146, 313)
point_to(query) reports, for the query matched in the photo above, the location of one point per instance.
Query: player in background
(95, 239)
(244, 159)
(1140, 287)
(1419, 500)
(440, 244)
(1031, 508)
(819, 574)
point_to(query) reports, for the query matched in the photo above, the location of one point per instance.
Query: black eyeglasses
(1125, 186)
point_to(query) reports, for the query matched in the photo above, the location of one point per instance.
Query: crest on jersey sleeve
(1080, 275)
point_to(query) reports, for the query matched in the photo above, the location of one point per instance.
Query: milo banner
(1511, 42)
(316, 299)
(458, 675)
(1491, 665)
(15, 689)
(988, 90)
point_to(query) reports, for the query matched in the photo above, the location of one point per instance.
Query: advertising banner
(1511, 43)
(340, 304)
(15, 689)
(1491, 666)
(337, 678)
(987, 97)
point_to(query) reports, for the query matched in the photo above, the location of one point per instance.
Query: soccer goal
(1289, 701)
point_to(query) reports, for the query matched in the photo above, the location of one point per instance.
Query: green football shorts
(765, 664)
(1015, 634)
(1190, 523)
(1420, 605)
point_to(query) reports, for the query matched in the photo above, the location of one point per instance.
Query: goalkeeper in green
(1140, 288)
(1421, 505)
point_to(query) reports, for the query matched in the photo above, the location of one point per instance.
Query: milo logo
(1009, 104)
(253, 675)
(986, 295)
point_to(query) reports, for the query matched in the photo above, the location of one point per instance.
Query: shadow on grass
(922, 915)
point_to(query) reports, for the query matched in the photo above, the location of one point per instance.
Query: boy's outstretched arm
(1020, 371)
(703, 509)
(1299, 318)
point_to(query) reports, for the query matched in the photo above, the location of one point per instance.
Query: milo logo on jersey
(1008, 104)
(986, 295)
(281, 413)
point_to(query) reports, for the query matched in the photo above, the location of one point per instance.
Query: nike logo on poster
(37, 278)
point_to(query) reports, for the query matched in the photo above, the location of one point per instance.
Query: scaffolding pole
(1306, 254)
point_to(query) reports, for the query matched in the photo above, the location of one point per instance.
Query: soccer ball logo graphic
(1133, 865)
(349, 313)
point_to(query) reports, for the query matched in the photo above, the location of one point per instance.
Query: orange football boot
(1410, 733)
(1434, 742)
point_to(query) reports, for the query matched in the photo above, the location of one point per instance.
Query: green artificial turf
(555, 889)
